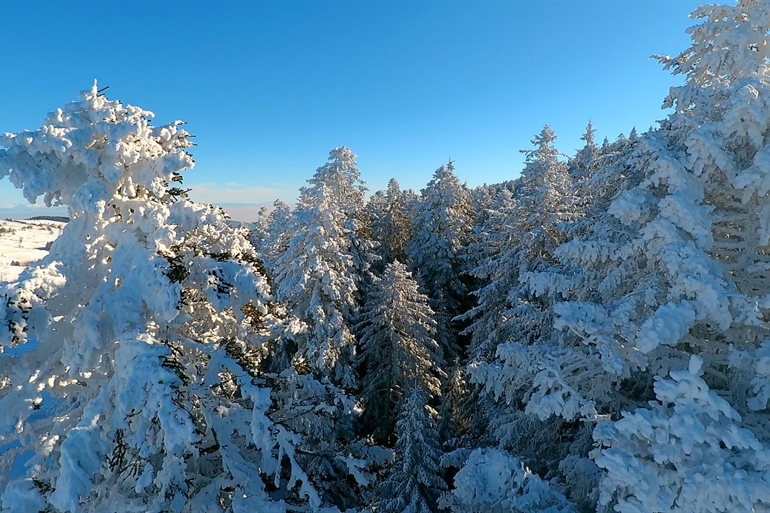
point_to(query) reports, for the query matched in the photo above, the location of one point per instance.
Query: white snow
(23, 242)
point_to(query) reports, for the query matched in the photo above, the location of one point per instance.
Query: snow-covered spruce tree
(274, 240)
(686, 452)
(598, 174)
(346, 192)
(586, 160)
(316, 275)
(398, 350)
(645, 279)
(317, 278)
(489, 201)
(442, 223)
(724, 109)
(586, 268)
(512, 344)
(141, 334)
(667, 272)
(391, 222)
(530, 229)
(259, 229)
(414, 482)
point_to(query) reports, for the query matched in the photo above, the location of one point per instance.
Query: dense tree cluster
(590, 336)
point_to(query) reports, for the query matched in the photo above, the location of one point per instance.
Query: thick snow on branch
(687, 452)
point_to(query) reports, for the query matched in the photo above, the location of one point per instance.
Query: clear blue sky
(268, 87)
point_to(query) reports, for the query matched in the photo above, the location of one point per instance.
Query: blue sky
(269, 87)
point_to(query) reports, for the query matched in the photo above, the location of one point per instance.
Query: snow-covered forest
(591, 336)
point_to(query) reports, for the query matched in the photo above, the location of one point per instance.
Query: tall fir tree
(391, 221)
(586, 160)
(317, 277)
(398, 349)
(675, 265)
(414, 482)
(686, 452)
(513, 311)
(531, 226)
(273, 241)
(442, 224)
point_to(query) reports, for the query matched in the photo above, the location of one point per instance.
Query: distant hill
(60, 219)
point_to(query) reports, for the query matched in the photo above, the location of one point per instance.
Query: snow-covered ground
(22, 242)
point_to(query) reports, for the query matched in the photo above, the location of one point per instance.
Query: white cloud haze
(233, 193)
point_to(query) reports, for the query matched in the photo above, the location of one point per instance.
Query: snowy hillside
(22, 242)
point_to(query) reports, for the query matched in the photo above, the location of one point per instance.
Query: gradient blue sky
(268, 87)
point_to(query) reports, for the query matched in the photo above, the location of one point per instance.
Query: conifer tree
(513, 317)
(398, 349)
(665, 272)
(442, 224)
(530, 229)
(274, 240)
(141, 331)
(391, 222)
(678, 262)
(587, 158)
(686, 452)
(258, 229)
(317, 277)
(414, 482)
(492, 480)
(345, 190)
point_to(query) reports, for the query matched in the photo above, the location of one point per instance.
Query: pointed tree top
(544, 150)
(589, 135)
(445, 172)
